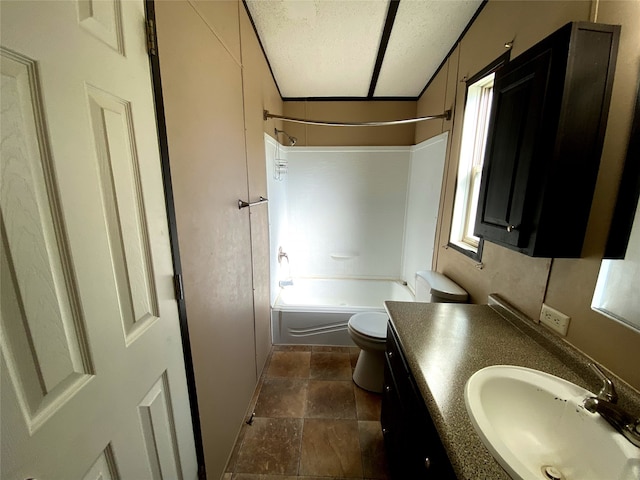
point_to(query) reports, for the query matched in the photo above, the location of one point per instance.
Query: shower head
(292, 140)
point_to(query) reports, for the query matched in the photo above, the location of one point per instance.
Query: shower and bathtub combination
(355, 224)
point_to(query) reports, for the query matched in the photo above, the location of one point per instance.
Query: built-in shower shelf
(343, 256)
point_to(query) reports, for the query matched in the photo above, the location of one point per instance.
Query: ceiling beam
(384, 42)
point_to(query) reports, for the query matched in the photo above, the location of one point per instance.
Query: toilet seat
(370, 324)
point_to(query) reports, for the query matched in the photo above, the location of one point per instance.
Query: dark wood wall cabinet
(545, 139)
(411, 440)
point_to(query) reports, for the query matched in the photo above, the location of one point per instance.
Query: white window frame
(474, 138)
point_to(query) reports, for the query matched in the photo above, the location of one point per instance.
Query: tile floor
(311, 421)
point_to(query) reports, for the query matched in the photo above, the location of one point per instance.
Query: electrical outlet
(555, 320)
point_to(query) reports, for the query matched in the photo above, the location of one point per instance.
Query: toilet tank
(434, 287)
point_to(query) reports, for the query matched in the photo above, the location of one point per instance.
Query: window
(474, 138)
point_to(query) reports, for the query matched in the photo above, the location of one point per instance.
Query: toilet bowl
(368, 330)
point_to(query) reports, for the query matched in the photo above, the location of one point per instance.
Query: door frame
(163, 143)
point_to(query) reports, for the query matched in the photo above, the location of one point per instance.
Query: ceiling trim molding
(349, 99)
(264, 54)
(384, 42)
(453, 47)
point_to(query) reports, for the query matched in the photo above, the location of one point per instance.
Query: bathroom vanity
(409, 434)
(432, 350)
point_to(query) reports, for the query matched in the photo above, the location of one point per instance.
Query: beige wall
(351, 111)
(565, 284)
(216, 84)
(260, 93)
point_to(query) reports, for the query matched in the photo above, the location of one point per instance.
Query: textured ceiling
(329, 48)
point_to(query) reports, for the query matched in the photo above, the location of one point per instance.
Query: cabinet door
(519, 96)
(413, 446)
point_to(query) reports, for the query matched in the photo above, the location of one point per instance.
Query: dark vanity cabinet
(545, 139)
(411, 440)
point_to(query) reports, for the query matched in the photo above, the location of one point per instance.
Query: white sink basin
(535, 426)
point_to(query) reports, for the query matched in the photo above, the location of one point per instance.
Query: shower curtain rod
(446, 115)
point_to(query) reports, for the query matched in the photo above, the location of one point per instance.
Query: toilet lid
(372, 324)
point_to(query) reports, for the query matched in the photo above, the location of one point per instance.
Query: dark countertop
(444, 344)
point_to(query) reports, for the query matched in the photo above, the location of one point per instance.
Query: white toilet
(368, 330)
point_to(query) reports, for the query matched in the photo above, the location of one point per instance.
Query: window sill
(468, 250)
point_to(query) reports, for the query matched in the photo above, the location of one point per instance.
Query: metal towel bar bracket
(242, 204)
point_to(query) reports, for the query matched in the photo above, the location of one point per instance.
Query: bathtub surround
(354, 212)
(278, 213)
(346, 209)
(423, 203)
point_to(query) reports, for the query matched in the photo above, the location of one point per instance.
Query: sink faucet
(605, 404)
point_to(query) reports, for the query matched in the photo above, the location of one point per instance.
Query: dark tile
(289, 364)
(271, 446)
(292, 348)
(374, 460)
(330, 366)
(329, 349)
(330, 399)
(305, 477)
(368, 404)
(233, 459)
(330, 448)
(251, 476)
(282, 397)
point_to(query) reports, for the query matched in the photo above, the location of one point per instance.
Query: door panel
(121, 190)
(88, 315)
(44, 338)
(104, 467)
(159, 434)
(102, 19)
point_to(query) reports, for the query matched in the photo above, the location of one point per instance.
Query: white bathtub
(316, 311)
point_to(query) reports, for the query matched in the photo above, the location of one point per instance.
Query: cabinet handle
(511, 228)
(385, 431)
(427, 463)
(387, 389)
(390, 354)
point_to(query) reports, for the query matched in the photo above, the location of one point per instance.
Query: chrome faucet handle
(281, 255)
(608, 391)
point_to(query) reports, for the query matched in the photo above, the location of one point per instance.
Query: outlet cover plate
(555, 320)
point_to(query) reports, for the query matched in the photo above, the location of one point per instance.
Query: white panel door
(93, 380)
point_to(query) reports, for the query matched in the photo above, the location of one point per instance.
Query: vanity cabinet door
(413, 446)
(547, 126)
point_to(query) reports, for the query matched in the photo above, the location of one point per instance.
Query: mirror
(616, 294)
